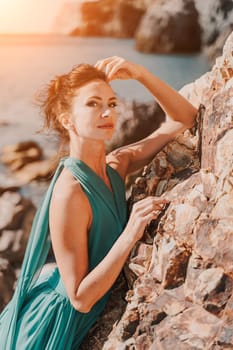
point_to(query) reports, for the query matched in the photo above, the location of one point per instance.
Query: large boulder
(184, 26)
(169, 27)
(214, 17)
(182, 271)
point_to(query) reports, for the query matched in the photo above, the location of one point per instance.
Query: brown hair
(56, 98)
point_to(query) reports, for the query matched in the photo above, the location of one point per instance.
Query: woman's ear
(67, 123)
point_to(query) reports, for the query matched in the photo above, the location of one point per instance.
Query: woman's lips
(106, 126)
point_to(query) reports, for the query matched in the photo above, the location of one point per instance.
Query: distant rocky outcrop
(169, 27)
(157, 25)
(183, 25)
(118, 18)
(181, 272)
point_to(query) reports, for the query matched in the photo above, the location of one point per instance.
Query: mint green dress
(40, 316)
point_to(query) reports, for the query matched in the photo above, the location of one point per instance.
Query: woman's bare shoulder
(68, 189)
(68, 198)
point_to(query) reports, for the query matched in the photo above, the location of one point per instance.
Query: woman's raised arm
(180, 114)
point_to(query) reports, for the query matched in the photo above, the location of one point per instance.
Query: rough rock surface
(182, 270)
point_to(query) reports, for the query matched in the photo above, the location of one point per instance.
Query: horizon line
(33, 33)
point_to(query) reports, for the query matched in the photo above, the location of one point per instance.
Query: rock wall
(181, 272)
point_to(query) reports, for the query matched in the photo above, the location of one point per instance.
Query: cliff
(181, 272)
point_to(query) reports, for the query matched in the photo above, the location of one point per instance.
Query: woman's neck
(90, 151)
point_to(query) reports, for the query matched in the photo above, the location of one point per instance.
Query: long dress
(40, 316)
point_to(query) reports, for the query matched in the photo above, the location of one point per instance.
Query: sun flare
(27, 16)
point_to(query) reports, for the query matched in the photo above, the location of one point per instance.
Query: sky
(25, 16)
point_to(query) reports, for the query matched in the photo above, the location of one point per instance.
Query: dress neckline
(93, 184)
(89, 170)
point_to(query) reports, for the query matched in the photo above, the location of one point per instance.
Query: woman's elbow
(81, 306)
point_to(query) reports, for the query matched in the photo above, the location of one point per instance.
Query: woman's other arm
(70, 219)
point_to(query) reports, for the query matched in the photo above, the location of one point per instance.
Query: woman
(84, 209)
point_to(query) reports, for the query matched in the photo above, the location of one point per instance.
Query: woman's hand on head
(119, 68)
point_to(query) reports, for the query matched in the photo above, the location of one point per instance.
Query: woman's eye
(113, 104)
(92, 103)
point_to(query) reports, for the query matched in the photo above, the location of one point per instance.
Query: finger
(160, 203)
(102, 63)
(151, 201)
(142, 203)
(112, 67)
(125, 70)
(151, 216)
(149, 204)
(146, 205)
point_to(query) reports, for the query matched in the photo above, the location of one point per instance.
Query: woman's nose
(105, 113)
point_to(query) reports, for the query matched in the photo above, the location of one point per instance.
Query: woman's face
(94, 111)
